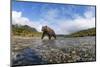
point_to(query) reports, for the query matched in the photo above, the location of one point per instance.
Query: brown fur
(48, 32)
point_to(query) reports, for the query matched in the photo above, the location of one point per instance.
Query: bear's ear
(46, 26)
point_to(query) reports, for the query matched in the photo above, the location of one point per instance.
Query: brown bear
(48, 32)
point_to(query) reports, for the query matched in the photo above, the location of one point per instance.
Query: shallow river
(34, 51)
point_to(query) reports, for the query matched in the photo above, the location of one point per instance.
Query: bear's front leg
(49, 37)
(42, 35)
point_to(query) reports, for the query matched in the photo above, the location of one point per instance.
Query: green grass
(82, 33)
(19, 30)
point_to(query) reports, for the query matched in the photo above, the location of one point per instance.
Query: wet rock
(26, 57)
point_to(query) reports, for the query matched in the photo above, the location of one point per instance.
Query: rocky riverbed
(34, 51)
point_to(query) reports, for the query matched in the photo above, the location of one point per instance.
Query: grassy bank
(83, 33)
(25, 31)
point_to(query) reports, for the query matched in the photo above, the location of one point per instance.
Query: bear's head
(44, 28)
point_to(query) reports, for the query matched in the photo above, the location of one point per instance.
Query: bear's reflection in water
(49, 43)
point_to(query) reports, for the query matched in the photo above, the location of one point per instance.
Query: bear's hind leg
(54, 36)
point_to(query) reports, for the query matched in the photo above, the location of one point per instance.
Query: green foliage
(25, 30)
(88, 32)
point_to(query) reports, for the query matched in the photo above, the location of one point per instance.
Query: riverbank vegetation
(25, 30)
(82, 33)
